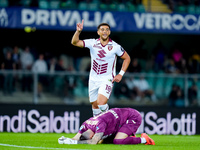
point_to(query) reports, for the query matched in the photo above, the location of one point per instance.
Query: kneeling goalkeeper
(122, 123)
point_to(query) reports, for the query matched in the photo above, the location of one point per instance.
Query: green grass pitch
(37, 141)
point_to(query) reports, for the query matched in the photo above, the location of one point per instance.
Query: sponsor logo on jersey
(91, 122)
(95, 45)
(100, 59)
(101, 53)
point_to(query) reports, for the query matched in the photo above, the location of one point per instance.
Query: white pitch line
(8, 145)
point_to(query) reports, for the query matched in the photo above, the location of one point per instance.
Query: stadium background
(66, 91)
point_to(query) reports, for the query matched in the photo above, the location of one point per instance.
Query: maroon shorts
(131, 125)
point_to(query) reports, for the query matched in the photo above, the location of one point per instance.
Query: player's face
(104, 32)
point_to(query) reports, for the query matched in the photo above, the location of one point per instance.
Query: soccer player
(103, 52)
(122, 123)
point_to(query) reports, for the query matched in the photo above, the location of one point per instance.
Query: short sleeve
(83, 128)
(101, 127)
(88, 42)
(120, 51)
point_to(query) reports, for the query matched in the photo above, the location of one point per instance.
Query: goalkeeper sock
(103, 107)
(128, 140)
(96, 112)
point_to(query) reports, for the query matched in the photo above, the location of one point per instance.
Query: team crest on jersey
(110, 47)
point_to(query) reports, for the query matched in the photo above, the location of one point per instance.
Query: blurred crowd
(179, 6)
(160, 61)
(29, 61)
(106, 5)
(36, 3)
(182, 5)
(173, 61)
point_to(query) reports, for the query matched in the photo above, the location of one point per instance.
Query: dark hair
(82, 138)
(103, 24)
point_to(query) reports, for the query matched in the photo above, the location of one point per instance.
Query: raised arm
(125, 65)
(75, 39)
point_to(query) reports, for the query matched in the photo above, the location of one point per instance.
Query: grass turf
(18, 141)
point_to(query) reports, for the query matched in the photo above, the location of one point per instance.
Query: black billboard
(68, 118)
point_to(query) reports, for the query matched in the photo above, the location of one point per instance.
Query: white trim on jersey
(103, 58)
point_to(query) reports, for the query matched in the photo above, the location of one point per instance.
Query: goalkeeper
(120, 123)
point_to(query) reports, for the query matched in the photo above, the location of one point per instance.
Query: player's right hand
(79, 26)
(117, 78)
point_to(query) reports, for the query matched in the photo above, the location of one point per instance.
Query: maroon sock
(128, 140)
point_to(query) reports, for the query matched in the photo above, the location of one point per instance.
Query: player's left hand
(65, 140)
(117, 78)
(70, 141)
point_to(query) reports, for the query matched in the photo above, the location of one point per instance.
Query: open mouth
(104, 35)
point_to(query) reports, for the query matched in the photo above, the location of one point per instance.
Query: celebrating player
(122, 123)
(103, 52)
